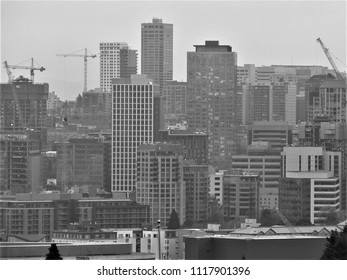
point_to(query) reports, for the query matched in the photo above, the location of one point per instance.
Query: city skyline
(284, 32)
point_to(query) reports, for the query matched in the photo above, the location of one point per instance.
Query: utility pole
(159, 243)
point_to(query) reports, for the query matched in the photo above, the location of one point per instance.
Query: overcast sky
(261, 32)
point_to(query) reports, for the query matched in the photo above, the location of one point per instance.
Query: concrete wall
(209, 248)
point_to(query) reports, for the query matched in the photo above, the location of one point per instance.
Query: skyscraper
(157, 51)
(211, 80)
(133, 123)
(117, 60)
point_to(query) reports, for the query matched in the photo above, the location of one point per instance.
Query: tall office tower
(256, 103)
(157, 51)
(160, 181)
(134, 121)
(240, 195)
(175, 102)
(312, 85)
(194, 144)
(20, 164)
(283, 105)
(196, 178)
(311, 183)
(23, 108)
(333, 100)
(115, 62)
(279, 134)
(127, 62)
(211, 79)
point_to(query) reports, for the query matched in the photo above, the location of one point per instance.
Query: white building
(216, 185)
(132, 124)
(312, 178)
(109, 63)
(168, 244)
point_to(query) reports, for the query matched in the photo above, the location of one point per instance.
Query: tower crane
(31, 68)
(85, 56)
(327, 53)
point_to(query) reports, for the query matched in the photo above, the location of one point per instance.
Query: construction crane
(31, 68)
(85, 56)
(327, 53)
(285, 221)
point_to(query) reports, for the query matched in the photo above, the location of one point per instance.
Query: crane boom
(85, 57)
(326, 51)
(31, 68)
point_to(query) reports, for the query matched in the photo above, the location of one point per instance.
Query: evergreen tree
(174, 222)
(336, 246)
(53, 253)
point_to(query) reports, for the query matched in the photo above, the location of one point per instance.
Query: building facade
(211, 81)
(157, 51)
(160, 181)
(134, 121)
(310, 183)
(80, 162)
(23, 108)
(240, 195)
(175, 102)
(196, 178)
(20, 164)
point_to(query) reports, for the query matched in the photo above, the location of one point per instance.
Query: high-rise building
(23, 108)
(311, 183)
(157, 51)
(80, 162)
(300, 108)
(312, 85)
(127, 62)
(261, 159)
(116, 61)
(194, 145)
(256, 103)
(240, 195)
(333, 100)
(20, 164)
(134, 122)
(196, 178)
(333, 137)
(271, 102)
(175, 102)
(160, 181)
(211, 81)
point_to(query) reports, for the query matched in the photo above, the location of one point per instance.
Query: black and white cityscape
(173, 130)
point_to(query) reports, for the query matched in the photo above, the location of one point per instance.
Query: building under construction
(23, 109)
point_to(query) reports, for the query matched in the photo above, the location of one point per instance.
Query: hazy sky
(261, 32)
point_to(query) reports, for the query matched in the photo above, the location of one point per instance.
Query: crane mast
(85, 58)
(326, 51)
